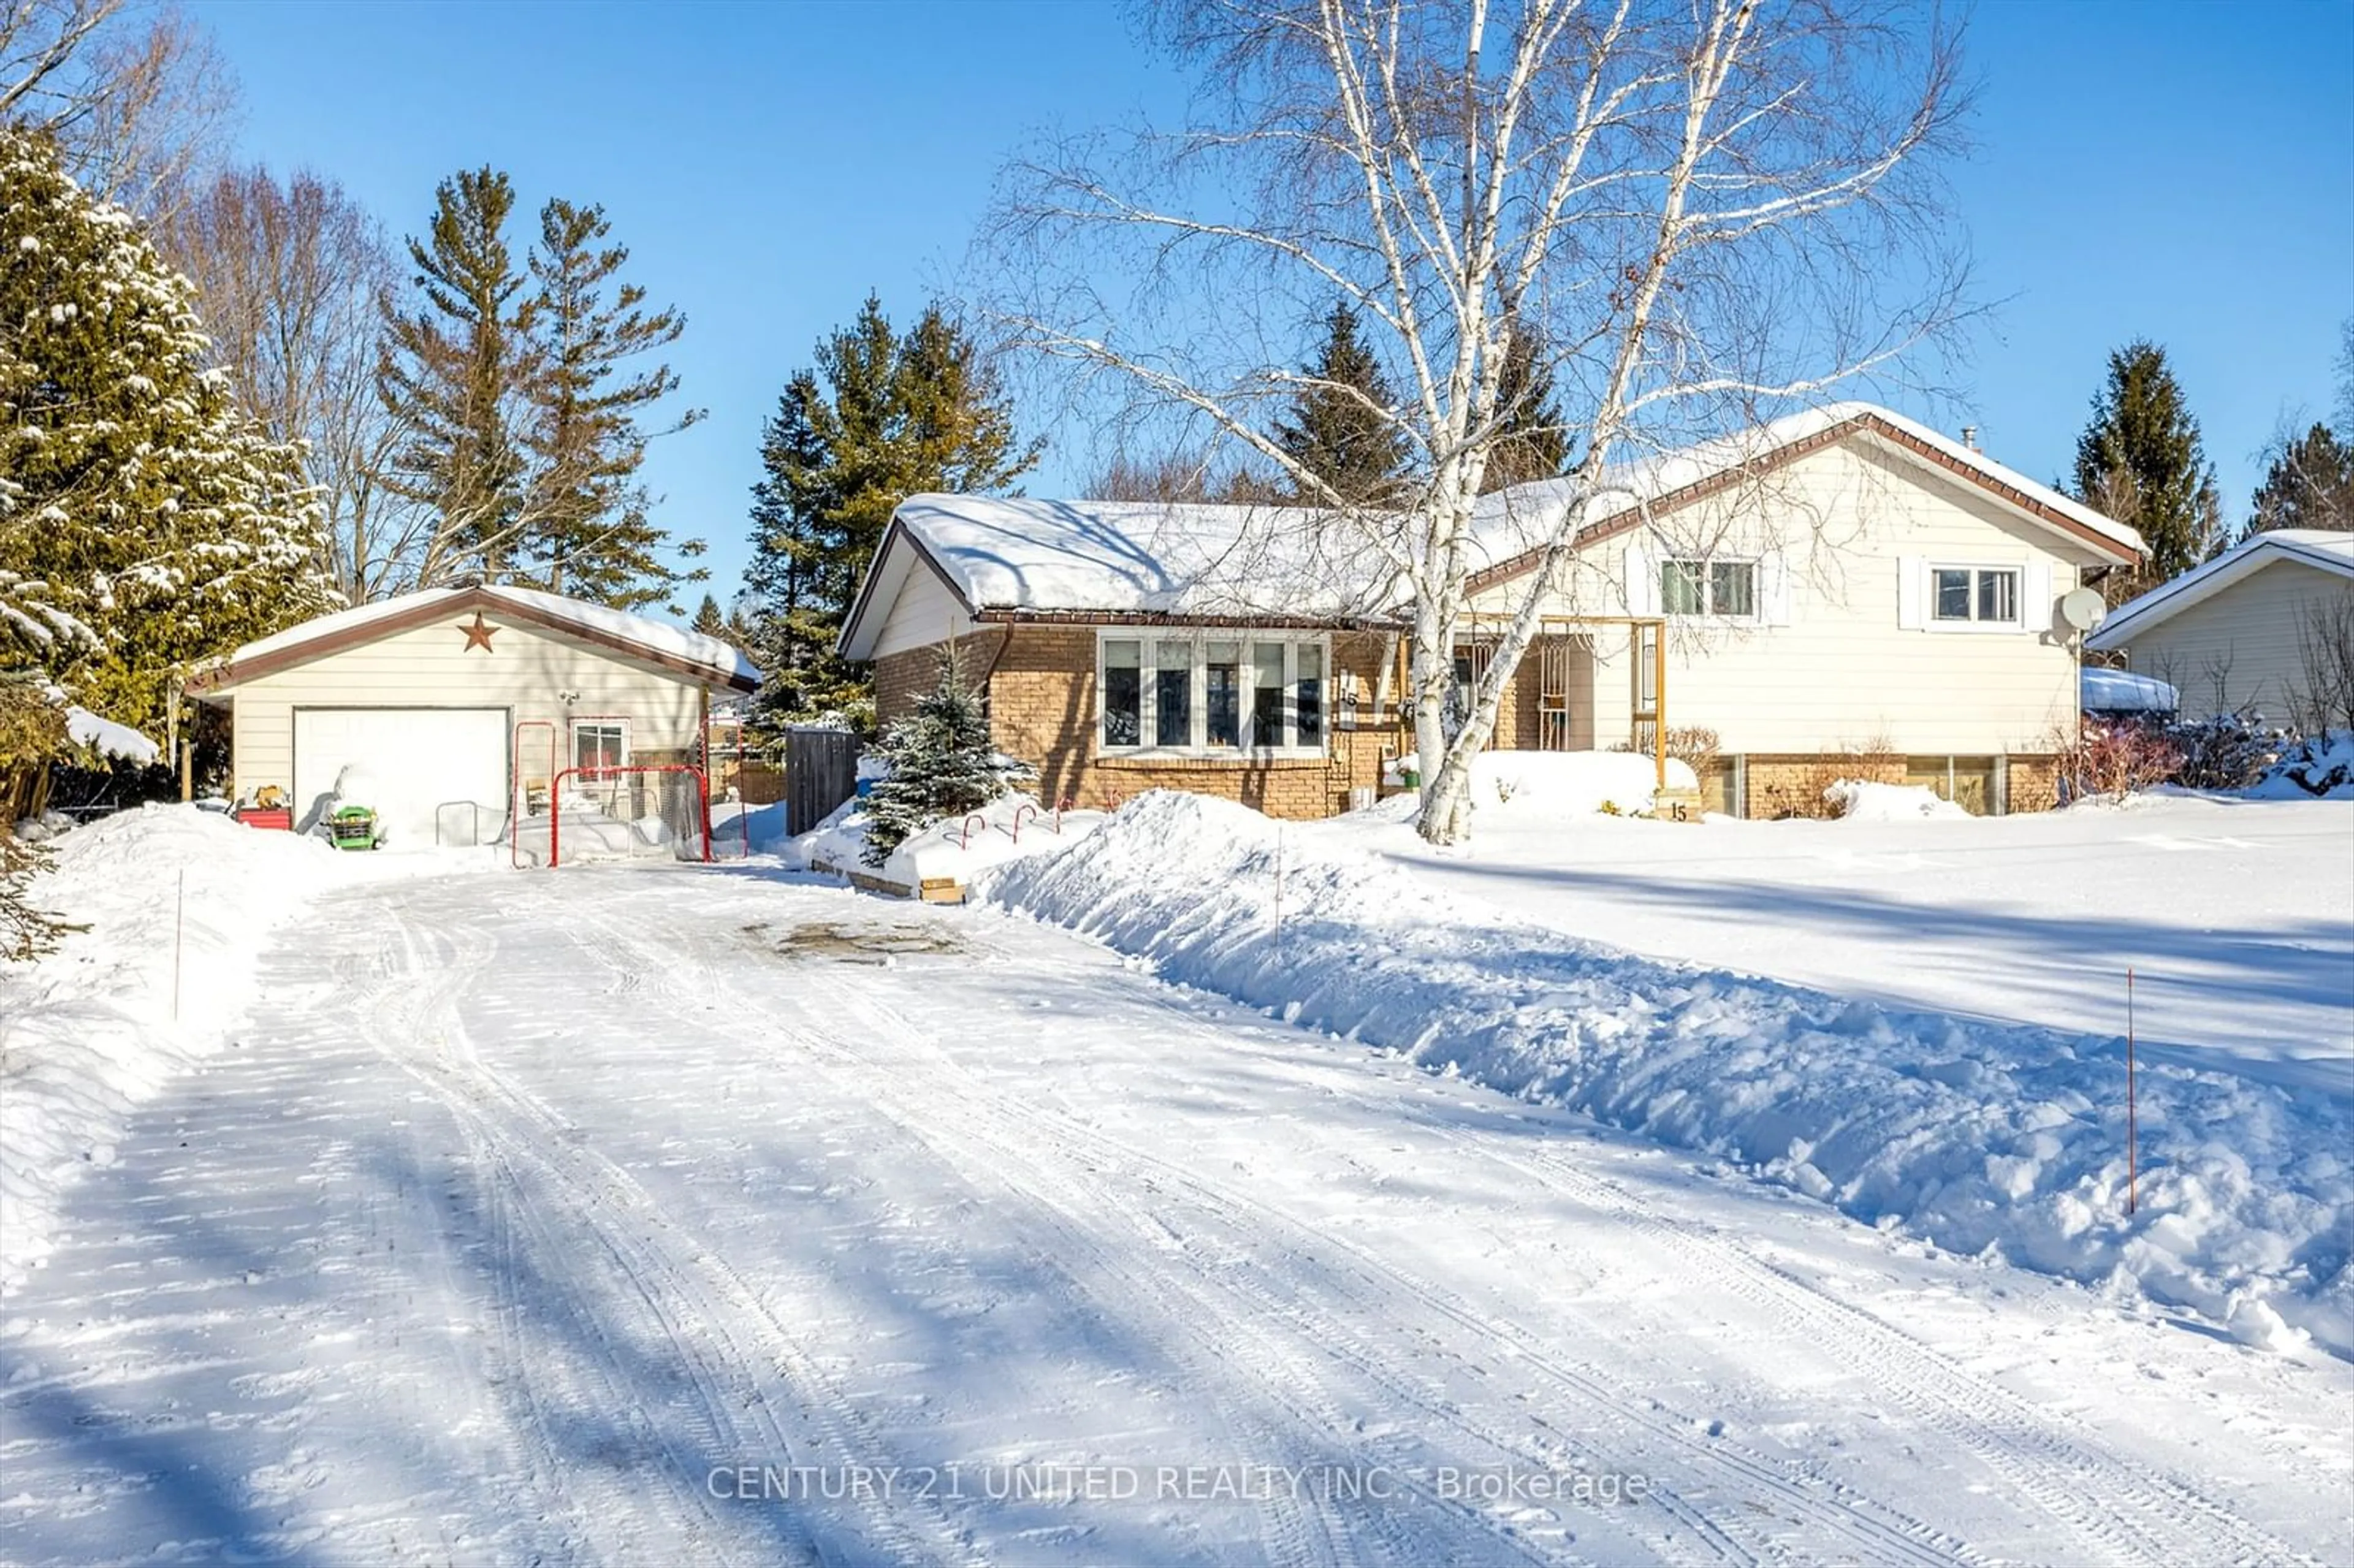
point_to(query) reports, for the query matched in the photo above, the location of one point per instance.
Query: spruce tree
(454, 369)
(710, 620)
(590, 535)
(1531, 441)
(2309, 483)
(146, 523)
(1337, 430)
(879, 417)
(2140, 461)
(942, 765)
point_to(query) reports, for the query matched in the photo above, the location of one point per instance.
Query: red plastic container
(279, 817)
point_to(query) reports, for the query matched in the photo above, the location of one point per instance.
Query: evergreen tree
(941, 766)
(1336, 431)
(592, 537)
(1531, 442)
(452, 369)
(711, 621)
(146, 522)
(2140, 461)
(879, 417)
(2309, 483)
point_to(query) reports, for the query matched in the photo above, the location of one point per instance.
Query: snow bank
(1013, 827)
(2318, 768)
(1527, 786)
(1861, 801)
(1982, 1137)
(1545, 784)
(88, 1032)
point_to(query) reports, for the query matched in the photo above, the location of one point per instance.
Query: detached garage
(457, 703)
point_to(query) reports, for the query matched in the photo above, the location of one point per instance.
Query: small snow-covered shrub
(2230, 751)
(2319, 764)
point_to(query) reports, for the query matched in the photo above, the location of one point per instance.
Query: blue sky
(2179, 172)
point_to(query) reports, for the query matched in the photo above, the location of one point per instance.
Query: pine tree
(1531, 442)
(455, 368)
(2140, 461)
(941, 766)
(1337, 430)
(591, 537)
(878, 419)
(711, 621)
(146, 522)
(2309, 483)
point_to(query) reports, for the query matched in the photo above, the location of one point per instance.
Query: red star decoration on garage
(478, 634)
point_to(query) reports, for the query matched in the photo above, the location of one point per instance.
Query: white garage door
(421, 765)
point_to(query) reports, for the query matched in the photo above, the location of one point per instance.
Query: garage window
(601, 744)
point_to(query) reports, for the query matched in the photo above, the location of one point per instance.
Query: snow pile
(88, 1032)
(1861, 801)
(1530, 787)
(1010, 828)
(1552, 784)
(2318, 768)
(108, 738)
(1979, 1137)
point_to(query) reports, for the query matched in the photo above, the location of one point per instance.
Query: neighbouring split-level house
(2249, 631)
(1843, 591)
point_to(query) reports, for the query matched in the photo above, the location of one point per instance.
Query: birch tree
(1681, 213)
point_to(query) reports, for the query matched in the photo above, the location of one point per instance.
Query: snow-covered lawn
(562, 1217)
(2237, 917)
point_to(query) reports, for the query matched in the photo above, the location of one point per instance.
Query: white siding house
(2233, 635)
(454, 699)
(1860, 594)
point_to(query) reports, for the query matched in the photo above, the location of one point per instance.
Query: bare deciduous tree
(135, 95)
(2325, 699)
(1699, 209)
(288, 274)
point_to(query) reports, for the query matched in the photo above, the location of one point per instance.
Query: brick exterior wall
(1042, 709)
(901, 678)
(2034, 783)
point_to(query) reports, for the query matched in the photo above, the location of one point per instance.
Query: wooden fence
(820, 773)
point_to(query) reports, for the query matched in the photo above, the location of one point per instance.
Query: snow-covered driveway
(582, 1217)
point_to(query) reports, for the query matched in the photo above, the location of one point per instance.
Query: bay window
(1212, 693)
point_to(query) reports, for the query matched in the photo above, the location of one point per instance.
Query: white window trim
(1197, 749)
(572, 726)
(1974, 626)
(1756, 564)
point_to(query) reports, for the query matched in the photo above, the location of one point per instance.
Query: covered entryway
(435, 775)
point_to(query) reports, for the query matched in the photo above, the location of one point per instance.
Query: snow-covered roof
(1186, 560)
(2120, 691)
(2325, 548)
(1512, 521)
(108, 738)
(1119, 558)
(657, 641)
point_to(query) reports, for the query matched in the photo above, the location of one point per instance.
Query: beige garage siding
(2240, 649)
(526, 672)
(1834, 668)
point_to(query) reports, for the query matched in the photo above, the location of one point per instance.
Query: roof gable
(685, 655)
(1516, 523)
(2319, 548)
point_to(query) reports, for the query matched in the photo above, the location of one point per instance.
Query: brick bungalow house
(1843, 591)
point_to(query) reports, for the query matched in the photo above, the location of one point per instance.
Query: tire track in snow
(1888, 1534)
(982, 1111)
(682, 1300)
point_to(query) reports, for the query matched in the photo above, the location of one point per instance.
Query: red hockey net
(623, 814)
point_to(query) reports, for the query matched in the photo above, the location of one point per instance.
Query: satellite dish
(2084, 609)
